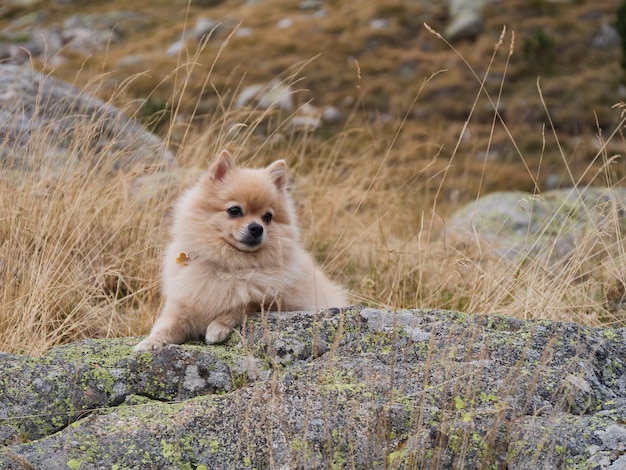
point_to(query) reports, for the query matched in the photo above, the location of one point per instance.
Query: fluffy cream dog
(235, 250)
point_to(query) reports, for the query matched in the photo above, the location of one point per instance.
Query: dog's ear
(224, 162)
(278, 173)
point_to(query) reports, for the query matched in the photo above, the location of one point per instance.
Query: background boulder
(516, 223)
(47, 125)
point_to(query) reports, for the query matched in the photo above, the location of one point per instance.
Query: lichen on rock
(363, 387)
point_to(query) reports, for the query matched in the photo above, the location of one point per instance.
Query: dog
(235, 250)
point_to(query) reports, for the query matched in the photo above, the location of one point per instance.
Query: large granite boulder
(551, 225)
(362, 388)
(47, 125)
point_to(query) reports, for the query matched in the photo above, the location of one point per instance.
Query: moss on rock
(360, 388)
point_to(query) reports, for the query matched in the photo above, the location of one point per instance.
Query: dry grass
(79, 253)
(79, 259)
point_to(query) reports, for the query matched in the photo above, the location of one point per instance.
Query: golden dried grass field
(80, 255)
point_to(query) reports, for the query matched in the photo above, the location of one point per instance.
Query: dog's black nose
(256, 230)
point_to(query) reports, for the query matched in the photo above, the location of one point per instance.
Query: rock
(85, 34)
(82, 34)
(280, 96)
(307, 118)
(133, 60)
(48, 125)
(19, 48)
(176, 48)
(243, 32)
(606, 37)
(85, 40)
(275, 94)
(379, 23)
(18, 53)
(119, 20)
(332, 115)
(304, 122)
(466, 19)
(285, 23)
(362, 388)
(248, 94)
(204, 27)
(554, 224)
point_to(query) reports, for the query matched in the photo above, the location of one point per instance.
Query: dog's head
(244, 207)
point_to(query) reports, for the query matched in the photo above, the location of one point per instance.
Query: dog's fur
(235, 250)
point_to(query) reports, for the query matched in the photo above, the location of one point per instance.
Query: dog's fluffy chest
(202, 283)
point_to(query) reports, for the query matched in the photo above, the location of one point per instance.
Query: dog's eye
(267, 218)
(235, 212)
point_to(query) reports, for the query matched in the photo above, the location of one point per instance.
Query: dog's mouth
(251, 243)
(250, 238)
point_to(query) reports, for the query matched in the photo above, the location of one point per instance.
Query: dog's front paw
(217, 333)
(149, 344)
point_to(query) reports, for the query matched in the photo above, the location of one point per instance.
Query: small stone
(205, 26)
(305, 122)
(176, 48)
(284, 23)
(332, 115)
(605, 38)
(466, 20)
(273, 95)
(243, 32)
(379, 23)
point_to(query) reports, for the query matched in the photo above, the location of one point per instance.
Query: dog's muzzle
(253, 235)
